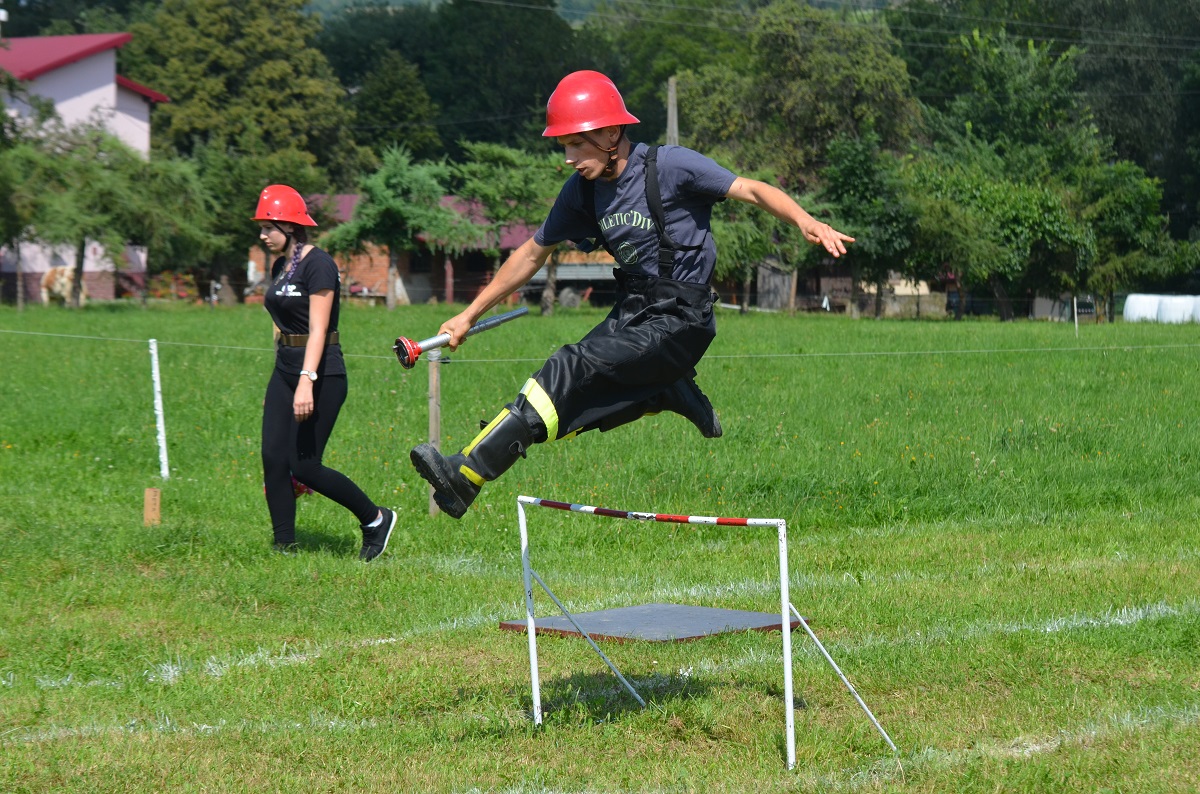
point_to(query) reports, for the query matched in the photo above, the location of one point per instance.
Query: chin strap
(287, 235)
(610, 168)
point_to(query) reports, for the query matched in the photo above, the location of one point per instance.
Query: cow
(57, 283)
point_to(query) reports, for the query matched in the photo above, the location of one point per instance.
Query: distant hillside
(570, 9)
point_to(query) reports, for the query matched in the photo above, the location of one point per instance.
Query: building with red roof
(78, 74)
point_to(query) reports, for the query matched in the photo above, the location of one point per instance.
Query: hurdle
(786, 608)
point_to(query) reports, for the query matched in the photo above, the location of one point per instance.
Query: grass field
(993, 530)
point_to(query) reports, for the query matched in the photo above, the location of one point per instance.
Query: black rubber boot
(685, 398)
(682, 397)
(457, 479)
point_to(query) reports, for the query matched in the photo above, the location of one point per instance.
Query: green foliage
(400, 203)
(811, 77)
(865, 185)
(392, 108)
(69, 186)
(487, 68)
(235, 72)
(1122, 206)
(997, 233)
(1134, 77)
(1022, 102)
(509, 185)
(356, 38)
(1132, 60)
(67, 17)
(645, 44)
(495, 67)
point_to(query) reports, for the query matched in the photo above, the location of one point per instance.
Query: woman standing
(308, 386)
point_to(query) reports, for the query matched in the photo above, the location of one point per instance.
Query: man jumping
(650, 207)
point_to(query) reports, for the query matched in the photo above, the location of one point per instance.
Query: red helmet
(585, 101)
(282, 203)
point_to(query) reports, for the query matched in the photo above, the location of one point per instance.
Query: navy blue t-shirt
(690, 184)
(287, 302)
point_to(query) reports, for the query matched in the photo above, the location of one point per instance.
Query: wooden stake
(152, 507)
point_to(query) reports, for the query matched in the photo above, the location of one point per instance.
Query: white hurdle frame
(530, 575)
(786, 608)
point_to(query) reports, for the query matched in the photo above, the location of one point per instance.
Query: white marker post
(163, 468)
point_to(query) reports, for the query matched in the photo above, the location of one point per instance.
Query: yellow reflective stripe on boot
(472, 475)
(541, 402)
(484, 432)
(466, 470)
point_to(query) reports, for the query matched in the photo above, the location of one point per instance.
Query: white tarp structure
(1141, 308)
(1175, 308)
(1162, 308)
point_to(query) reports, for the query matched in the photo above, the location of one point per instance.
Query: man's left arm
(784, 207)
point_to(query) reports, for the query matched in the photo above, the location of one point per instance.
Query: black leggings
(294, 449)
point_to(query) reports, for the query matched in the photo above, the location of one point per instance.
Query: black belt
(301, 340)
(655, 288)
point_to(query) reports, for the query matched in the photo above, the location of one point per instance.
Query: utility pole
(672, 114)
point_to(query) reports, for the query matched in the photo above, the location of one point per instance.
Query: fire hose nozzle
(407, 351)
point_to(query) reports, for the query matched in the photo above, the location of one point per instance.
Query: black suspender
(666, 246)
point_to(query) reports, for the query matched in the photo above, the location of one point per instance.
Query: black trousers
(294, 449)
(656, 333)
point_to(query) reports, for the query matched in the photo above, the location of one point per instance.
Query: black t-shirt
(287, 303)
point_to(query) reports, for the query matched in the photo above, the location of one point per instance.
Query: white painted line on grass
(171, 672)
(885, 772)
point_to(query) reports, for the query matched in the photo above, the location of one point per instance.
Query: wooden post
(672, 112)
(434, 359)
(152, 507)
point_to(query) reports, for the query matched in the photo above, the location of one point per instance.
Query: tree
(393, 109)
(65, 17)
(994, 233)
(17, 195)
(490, 67)
(82, 184)
(355, 39)
(1021, 100)
(398, 205)
(641, 46)
(238, 70)
(1131, 59)
(1132, 247)
(1133, 73)
(864, 184)
(748, 236)
(810, 78)
(512, 187)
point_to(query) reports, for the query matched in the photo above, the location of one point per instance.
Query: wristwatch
(310, 375)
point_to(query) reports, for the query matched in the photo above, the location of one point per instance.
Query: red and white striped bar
(666, 518)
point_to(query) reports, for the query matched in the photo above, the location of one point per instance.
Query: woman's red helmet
(282, 204)
(585, 101)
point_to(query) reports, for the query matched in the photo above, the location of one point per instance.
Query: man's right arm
(515, 273)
